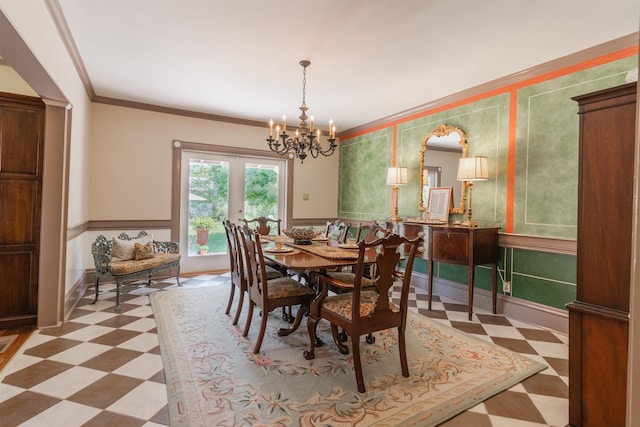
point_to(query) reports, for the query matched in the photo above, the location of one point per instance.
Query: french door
(216, 187)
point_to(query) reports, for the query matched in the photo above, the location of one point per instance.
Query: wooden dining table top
(307, 257)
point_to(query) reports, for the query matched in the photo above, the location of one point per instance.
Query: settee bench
(132, 258)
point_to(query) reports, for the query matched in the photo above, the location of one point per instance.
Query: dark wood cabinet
(599, 317)
(466, 246)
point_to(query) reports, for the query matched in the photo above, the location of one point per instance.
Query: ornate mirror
(446, 139)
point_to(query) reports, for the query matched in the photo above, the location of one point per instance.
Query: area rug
(214, 379)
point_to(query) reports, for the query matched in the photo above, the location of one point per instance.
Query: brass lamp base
(468, 223)
(395, 216)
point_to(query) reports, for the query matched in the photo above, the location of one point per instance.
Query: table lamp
(472, 169)
(396, 176)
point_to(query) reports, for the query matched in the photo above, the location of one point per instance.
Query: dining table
(318, 255)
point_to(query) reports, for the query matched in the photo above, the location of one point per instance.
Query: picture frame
(440, 203)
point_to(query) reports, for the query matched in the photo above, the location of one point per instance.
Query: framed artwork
(439, 204)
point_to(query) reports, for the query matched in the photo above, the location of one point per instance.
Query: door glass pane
(261, 190)
(208, 206)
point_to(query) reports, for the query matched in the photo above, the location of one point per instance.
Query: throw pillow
(143, 251)
(124, 250)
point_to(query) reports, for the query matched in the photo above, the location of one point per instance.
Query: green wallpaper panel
(363, 191)
(562, 268)
(543, 291)
(546, 167)
(542, 277)
(486, 124)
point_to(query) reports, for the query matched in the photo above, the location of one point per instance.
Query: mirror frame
(444, 130)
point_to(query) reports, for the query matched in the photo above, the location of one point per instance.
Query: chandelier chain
(304, 86)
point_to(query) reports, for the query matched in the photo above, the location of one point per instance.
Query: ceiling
(370, 59)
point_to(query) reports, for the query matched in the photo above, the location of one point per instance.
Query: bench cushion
(121, 268)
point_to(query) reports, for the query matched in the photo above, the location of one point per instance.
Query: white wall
(11, 82)
(131, 151)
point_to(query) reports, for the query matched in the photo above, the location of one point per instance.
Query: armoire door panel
(19, 142)
(18, 204)
(19, 299)
(21, 158)
(606, 250)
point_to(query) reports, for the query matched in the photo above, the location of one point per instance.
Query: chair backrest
(337, 230)
(256, 276)
(235, 257)
(389, 250)
(371, 231)
(262, 224)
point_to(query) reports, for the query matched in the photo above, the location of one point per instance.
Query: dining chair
(364, 311)
(264, 224)
(262, 227)
(370, 231)
(344, 279)
(270, 294)
(337, 230)
(238, 269)
(238, 279)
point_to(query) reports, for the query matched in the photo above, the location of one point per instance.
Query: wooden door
(21, 155)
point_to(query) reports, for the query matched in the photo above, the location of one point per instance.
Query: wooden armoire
(21, 162)
(599, 317)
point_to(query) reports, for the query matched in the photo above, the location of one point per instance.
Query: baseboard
(77, 292)
(514, 308)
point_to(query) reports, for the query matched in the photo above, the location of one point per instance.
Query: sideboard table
(469, 246)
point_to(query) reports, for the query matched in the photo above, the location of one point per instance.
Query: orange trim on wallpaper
(511, 160)
(394, 141)
(614, 56)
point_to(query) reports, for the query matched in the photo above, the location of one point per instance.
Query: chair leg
(118, 305)
(263, 328)
(343, 349)
(249, 317)
(312, 324)
(357, 364)
(178, 276)
(239, 309)
(403, 352)
(283, 332)
(231, 295)
(95, 299)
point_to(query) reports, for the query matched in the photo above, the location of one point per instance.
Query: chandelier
(306, 141)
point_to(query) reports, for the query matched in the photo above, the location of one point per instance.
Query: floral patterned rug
(214, 379)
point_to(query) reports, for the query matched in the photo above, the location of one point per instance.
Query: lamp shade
(396, 176)
(473, 169)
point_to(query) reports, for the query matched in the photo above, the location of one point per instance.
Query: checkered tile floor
(103, 368)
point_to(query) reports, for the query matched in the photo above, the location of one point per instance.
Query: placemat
(325, 251)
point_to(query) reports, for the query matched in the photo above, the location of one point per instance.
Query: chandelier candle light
(472, 169)
(396, 176)
(306, 140)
